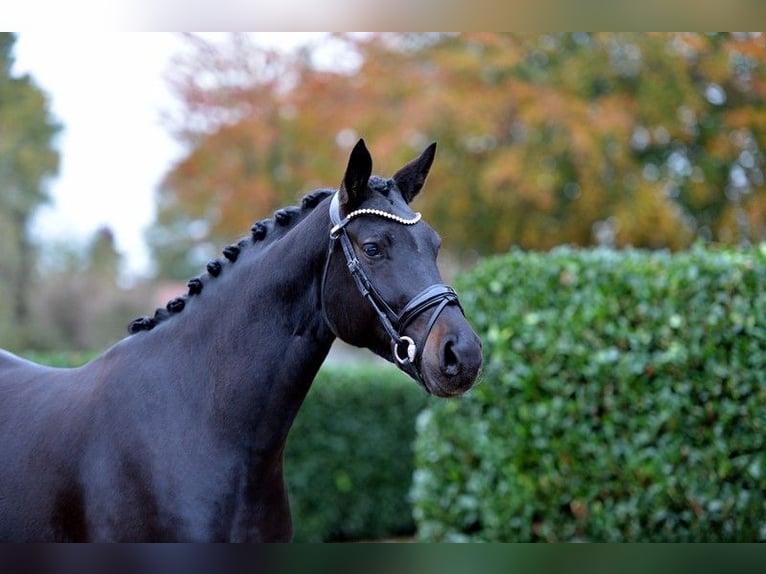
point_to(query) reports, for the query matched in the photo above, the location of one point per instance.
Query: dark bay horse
(177, 432)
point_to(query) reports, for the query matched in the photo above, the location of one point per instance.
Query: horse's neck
(252, 342)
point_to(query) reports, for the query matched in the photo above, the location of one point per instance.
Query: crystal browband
(376, 212)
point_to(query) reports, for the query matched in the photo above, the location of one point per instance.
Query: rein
(406, 351)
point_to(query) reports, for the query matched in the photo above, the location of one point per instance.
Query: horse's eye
(371, 250)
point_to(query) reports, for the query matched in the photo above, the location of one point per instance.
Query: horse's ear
(411, 178)
(353, 189)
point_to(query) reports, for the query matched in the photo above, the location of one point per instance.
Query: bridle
(405, 350)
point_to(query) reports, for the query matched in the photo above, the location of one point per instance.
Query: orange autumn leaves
(651, 140)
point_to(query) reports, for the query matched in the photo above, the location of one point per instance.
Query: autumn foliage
(649, 140)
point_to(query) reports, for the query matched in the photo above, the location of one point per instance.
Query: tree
(103, 258)
(27, 159)
(651, 140)
(80, 305)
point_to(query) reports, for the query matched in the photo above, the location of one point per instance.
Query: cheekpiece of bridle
(405, 350)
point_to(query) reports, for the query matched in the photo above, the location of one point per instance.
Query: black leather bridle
(407, 353)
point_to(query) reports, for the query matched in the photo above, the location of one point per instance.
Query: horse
(177, 432)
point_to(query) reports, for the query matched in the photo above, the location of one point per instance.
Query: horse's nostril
(450, 360)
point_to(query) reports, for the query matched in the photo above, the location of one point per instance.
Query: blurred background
(128, 160)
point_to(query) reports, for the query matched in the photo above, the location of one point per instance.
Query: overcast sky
(108, 91)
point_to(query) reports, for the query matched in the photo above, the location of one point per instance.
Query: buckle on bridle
(411, 350)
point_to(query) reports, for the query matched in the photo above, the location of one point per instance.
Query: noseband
(405, 350)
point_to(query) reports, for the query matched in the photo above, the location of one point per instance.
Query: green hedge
(62, 359)
(349, 459)
(624, 399)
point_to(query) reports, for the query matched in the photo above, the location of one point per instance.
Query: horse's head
(382, 288)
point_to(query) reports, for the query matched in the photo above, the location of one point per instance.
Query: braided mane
(262, 233)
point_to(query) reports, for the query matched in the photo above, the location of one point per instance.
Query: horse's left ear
(411, 178)
(353, 189)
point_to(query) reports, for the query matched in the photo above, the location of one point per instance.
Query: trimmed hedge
(624, 399)
(64, 359)
(349, 459)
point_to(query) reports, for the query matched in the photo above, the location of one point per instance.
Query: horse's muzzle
(452, 358)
